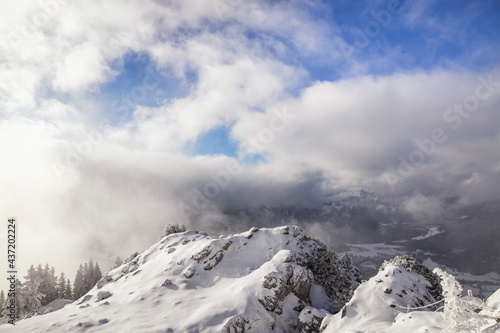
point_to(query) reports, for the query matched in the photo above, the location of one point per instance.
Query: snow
(58, 304)
(208, 284)
(493, 311)
(494, 303)
(432, 232)
(249, 282)
(370, 308)
(309, 312)
(380, 305)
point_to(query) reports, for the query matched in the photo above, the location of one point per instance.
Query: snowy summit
(262, 280)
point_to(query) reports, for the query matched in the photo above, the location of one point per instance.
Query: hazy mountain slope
(369, 217)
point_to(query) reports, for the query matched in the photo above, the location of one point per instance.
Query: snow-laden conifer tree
(68, 294)
(29, 299)
(61, 286)
(460, 311)
(19, 300)
(97, 274)
(2, 301)
(78, 287)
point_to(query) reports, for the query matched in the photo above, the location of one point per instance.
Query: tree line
(41, 286)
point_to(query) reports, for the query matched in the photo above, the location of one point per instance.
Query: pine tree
(19, 302)
(53, 285)
(30, 299)
(97, 274)
(2, 301)
(39, 271)
(67, 293)
(85, 276)
(32, 274)
(61, 286)
(89, 276)
(78, 287)
(43, 287)
(48, 284)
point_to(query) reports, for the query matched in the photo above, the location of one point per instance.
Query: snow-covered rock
(493, 312)
(493, 303)
(262, 280)
(58, 304)
(380, 304)
(310, 319)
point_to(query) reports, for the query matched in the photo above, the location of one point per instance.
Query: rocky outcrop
(433, 292)
(401, 284)
(211, 255)
(310, 320)
(289, 279)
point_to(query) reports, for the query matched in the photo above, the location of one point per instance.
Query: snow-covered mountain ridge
(263, 280)
(257, 281)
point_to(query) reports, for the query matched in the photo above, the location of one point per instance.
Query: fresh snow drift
(263, 280)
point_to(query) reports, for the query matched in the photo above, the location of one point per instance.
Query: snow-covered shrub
(172, 229)
(338, 281)
(412, 265)
(459, 311)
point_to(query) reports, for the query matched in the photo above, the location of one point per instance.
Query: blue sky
(421, 36)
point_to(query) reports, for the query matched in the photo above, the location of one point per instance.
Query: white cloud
(132, 178)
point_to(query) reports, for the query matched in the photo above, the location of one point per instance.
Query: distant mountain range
(466, 237)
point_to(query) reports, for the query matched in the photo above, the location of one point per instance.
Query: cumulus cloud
(101, 187)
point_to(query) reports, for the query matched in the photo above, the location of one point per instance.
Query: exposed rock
(200, 256)
(210, 260)
(189, 272)
(131, 257)
(214, 260)
(103, 294)
(290, 279)
(237, 325)
(411, 265)
(103, 281)
(310, 320)
(251, 232)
